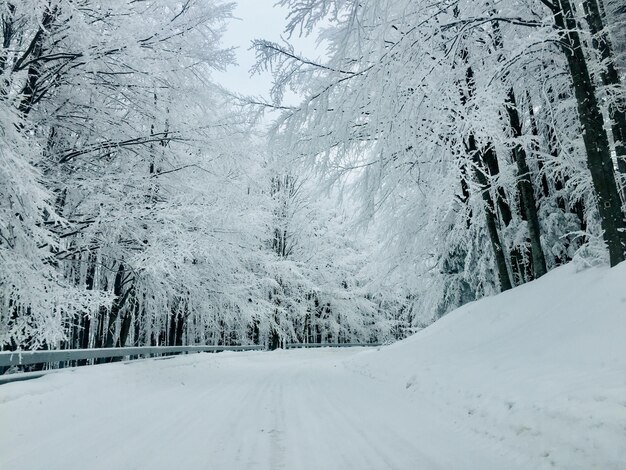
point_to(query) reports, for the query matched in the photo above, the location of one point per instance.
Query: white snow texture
(530, 379)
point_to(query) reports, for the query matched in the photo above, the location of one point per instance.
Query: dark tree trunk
(560, 182)
(121, 293)
(518, 267)
(32, 87)
(610, 78)
(465, 192)
(490, 159)
(177, 328)
(596, 140)
(527, 192)
(478, 159)
(317, 330)
(490, 217)
(127, 320)
(255, 333)
(274, 339)
(125, 330)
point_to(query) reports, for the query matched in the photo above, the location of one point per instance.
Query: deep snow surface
(534, 378)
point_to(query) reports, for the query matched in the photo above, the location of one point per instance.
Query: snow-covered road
(279, 410)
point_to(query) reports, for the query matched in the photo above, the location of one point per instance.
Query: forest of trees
(441, 152)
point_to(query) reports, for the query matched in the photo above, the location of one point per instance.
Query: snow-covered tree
(458, 124)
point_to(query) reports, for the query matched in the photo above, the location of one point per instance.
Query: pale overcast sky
(258, 19)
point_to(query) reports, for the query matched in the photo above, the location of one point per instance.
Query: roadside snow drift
(540, 370)
(531, 379)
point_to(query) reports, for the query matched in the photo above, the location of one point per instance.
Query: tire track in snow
(265, 411)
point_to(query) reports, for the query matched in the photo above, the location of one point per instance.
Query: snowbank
(541, 369)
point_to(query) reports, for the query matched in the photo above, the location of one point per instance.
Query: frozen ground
(531, 379)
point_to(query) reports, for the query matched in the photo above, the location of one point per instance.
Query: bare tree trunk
(490, 217)
(526, 191)
(34, 52)
(596, 140)
(527, 194)
(478, 159)
(519, 268)
(610, 78)
(121, 293)
(177, 328)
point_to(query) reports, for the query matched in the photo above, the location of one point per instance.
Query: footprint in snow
(410, 382)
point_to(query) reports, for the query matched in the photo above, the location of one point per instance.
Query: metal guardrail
(20, 358)
(331, 345)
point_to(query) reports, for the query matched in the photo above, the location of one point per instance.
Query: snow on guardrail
(19, 358)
